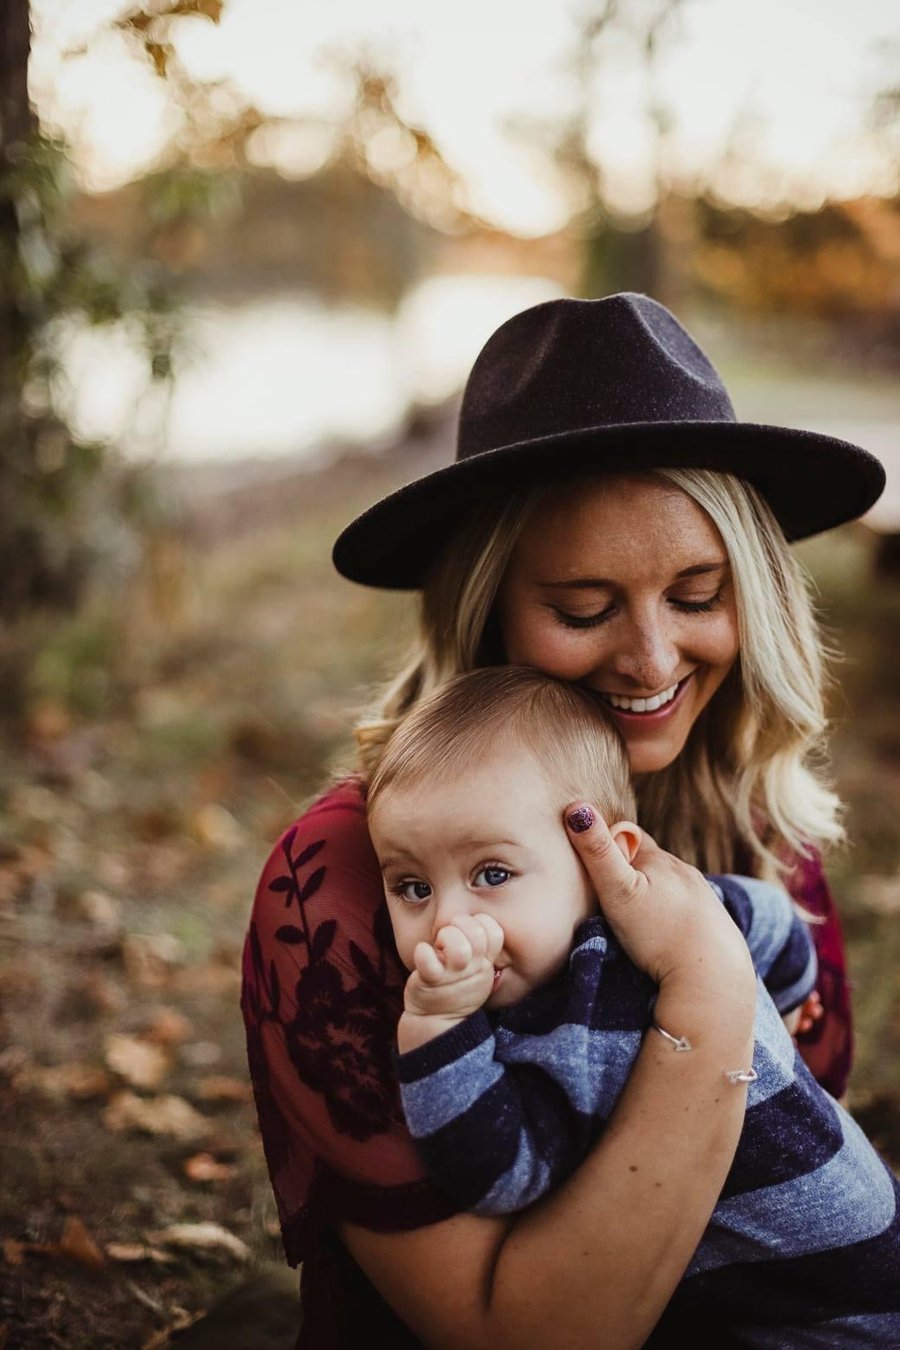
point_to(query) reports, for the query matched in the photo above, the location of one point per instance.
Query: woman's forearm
(602, 1255)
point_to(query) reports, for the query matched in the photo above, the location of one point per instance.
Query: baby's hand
(451, 979)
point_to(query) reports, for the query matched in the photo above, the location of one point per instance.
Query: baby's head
(466, 815)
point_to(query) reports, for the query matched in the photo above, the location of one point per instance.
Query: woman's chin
(650, 757)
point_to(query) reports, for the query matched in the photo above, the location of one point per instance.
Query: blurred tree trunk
(17, 122)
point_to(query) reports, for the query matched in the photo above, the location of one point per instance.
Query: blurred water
(294, 377)
(287, 376)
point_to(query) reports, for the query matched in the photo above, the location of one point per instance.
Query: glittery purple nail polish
(580, 819)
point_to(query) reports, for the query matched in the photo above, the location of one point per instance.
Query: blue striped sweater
(803, 1247)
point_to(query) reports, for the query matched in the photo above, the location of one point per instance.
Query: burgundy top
(322, 994)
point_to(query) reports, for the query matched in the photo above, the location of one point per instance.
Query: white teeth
(641, 704)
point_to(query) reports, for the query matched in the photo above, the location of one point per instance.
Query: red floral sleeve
(828, 1046)
(322, 993)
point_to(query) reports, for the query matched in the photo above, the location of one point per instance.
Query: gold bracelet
(678, 1043)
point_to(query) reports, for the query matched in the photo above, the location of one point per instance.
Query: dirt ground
(169, 740)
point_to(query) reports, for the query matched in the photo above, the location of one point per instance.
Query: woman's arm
(596, 1261)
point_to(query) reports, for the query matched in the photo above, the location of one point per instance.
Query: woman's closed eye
(491, 874)
(684, 606)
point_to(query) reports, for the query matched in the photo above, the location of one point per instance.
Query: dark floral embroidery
(273, 1126)
(340, 1036)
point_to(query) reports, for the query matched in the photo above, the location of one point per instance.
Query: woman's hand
(597, 1259)
(665, 914)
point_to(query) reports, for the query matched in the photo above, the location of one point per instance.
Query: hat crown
(572, 365)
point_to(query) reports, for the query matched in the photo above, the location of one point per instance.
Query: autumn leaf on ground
(141, 1064)
(78, 1080)
(204, 1167)
(216, 828)
(202, 1238)
(168, 1026)
(168, 1115)
(77, 1243)
(217, 1087)
(137, 1251)
(160, 1340)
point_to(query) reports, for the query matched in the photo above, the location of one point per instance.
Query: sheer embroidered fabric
(322, 993)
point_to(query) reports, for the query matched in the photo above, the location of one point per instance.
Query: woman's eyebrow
(596, 583)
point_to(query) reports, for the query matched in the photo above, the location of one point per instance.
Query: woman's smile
(623, 585)
(644, 707)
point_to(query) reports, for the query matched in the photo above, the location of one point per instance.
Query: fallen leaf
(150, 958)
(160, 1340)
(202, 1237)
(82, 1081)
(99, 909)
(168, 1115)
(217, 1087)
(47, 721)
(168, 1026)
(200, 1054)
(139, 1063)
(136, 1251)
(215, 827)
(85, 1081)
(77, 1243)
(204, 1167)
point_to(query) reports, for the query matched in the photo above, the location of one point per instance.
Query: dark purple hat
(614, 385)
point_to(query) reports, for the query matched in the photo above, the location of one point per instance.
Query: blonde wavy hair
(748, 791)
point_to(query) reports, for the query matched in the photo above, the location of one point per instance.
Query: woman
(608, 521)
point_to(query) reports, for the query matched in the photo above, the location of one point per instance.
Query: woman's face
(623, 585)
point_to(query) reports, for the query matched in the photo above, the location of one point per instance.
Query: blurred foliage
(73, 510)
(54, 497)
(842, 260)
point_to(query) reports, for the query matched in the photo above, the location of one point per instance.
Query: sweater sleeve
(494, 1136)
(779, 940)
(503, 1113)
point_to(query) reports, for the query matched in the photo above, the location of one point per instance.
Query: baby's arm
(779, 941)
(498, 1126)
(452, 979)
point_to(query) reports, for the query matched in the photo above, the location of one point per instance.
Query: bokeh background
(248, 251)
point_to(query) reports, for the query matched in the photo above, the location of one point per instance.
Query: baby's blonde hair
(565, 727)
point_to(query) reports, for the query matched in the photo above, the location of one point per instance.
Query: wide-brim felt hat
(600, 386)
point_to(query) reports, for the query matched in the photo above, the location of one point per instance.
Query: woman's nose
(646, 655)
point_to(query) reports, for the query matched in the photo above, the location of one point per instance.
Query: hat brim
(812, 482)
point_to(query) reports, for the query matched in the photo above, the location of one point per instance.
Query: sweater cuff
(444, 1049)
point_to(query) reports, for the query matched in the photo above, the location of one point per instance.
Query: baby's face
(491, 842)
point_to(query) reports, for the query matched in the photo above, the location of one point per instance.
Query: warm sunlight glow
(793, 84)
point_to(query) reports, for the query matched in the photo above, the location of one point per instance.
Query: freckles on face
(623, 584)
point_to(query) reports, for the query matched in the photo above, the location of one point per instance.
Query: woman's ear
(627, 836)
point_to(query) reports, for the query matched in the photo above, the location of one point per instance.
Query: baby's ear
(627, 836)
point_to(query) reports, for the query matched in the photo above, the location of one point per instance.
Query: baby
(523, 1016)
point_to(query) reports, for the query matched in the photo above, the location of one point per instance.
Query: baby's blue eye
(414, 891)
(492, 875)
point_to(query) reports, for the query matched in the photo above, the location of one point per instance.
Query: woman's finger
(614, 879)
